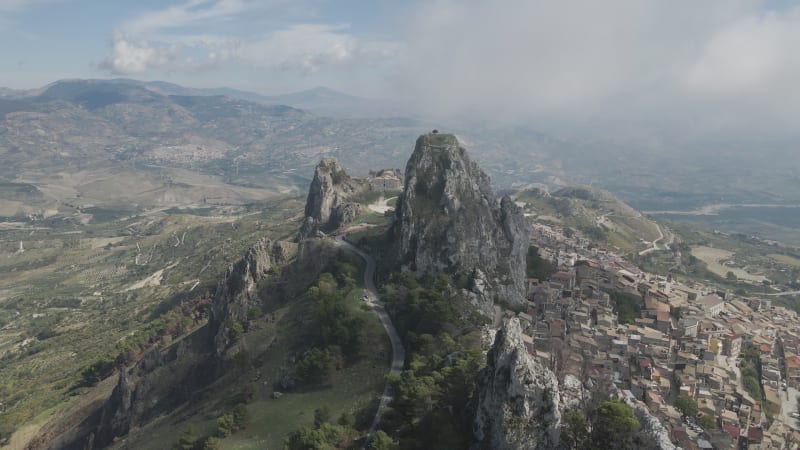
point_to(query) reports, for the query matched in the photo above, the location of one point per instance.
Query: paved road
(655, 242)
(398, 352)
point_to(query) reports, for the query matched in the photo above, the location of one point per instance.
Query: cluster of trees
(324, 434)
(688, 407)
(227, 424)
(750, 368)
(336, 330)
(627, 306)
(443, 360)
(536, 267)
(610, 424)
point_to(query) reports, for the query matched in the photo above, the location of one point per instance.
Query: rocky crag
(329, 203)
(167, 377)
(517, 404)
(448, 217)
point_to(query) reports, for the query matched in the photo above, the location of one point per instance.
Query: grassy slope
(51, 288)
(353, 389)
(624, 231)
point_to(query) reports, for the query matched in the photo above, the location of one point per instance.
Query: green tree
(707, 422)
(613, 426)
(326, 437)
(225, 425)
(240, 416)
(211, 443)
(322, 415)
(316, 366)
(686, 405)
(346, 420)
(382, 441)
(753, 387)
(187, 439)
(574, 431)
(236, 331)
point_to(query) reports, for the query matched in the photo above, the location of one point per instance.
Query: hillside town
(734, 361)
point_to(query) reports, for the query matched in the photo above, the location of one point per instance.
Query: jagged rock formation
(165, 378)
(449, 216)
(344, 214)
(517, 404)
(327, 204)
(651, 427)
(237, 295)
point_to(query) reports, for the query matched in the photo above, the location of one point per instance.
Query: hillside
(101, 143)
(599, 215)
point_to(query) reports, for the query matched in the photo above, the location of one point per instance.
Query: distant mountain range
(106, 142)
(319, 100)
(256, 140)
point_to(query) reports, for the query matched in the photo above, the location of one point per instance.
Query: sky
(701, 68)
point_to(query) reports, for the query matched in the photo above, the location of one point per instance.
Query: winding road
(398, 352)
(655, 242)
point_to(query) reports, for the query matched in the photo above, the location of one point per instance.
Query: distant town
(718, 370)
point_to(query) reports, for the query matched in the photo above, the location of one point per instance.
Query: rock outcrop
(237, 295)
(651, 427)
(327, 204)
(449, 217)
(167, 377)
(517, 404)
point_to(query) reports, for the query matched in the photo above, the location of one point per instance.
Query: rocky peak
(448, 216)
(517, 401)
(237, 294)
(327, 204)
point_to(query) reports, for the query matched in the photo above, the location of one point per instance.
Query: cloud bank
(718, 66)
(588, 61)
(302, 48)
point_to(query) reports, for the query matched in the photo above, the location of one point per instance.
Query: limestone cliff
(449, 216)
(167, 377)
(517, 404)
(237, 295)
(328, 204)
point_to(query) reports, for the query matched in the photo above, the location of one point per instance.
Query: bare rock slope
(329, 204)
(448, 217)
(517, 404)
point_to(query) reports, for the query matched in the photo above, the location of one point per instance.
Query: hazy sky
(702, 66)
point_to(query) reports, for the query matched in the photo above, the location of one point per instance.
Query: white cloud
(189, 13)
(751, 54)
(301, 48)
(131, 57)
(594, 63)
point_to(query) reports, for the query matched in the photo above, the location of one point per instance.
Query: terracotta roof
(755, 434)
(732, 430)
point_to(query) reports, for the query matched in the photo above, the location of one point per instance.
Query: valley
(117, 259)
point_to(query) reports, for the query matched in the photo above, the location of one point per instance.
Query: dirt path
(398, 352)
(381, 205)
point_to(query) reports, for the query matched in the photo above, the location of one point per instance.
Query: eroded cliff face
(449, 217)
(167, 377)
(517, 403)
(237, 295)
(328, 204)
